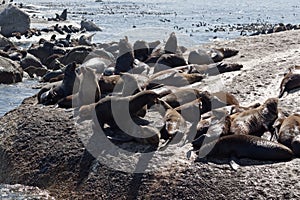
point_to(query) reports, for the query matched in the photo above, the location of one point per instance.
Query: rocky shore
(42, 146)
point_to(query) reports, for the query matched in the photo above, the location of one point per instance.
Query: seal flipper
(233, 164)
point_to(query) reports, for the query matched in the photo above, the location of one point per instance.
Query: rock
(23, 192)
(199, 57)
(89, 26)
(12, 19)
(30, 60)
(10, 71)
(4, 42)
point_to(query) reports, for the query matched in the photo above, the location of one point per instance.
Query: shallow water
(155, 20)
(12, 95)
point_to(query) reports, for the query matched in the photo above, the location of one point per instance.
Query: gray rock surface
(12, 19)
(89, 26)
(10, 71)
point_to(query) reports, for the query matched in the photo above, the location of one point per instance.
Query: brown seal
(255, 121)
(181, 96)
(246, 146)
(173, 78)
(103, 108)
(89, 90)
(107, 84)
(125, 57)
(167, 61)
(288, 132)
(289, 82)
(175, 125)
(63, 90)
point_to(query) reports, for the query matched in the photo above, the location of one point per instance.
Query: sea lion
(103, 108)
(64, 89)
(288, 132)
(77, 54)
(217, 55)
(125, 57)
(108, 84)
(181, 96)
(141, 50)
(191, 111)
(130, 85)
(89, 90)
(174, 123)
(171, 46)
(173, 78)
(167, 61)
(246, 146)
(289, 82)
(255, 121)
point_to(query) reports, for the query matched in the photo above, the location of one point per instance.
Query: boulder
(10, 71)
(30, 60)
(4, 42)
(89, 26)
(12, 19)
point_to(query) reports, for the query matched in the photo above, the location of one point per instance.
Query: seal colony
(154, 73)
(162, 77)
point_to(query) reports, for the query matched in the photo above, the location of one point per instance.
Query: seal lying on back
(246, 146)
(289, 133)
(289, 82)
(255, 121)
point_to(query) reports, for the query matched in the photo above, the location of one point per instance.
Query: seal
(172, 78)
(289, 133)
(103, 108)
(62, 90)
(167, 61)
(107, 84)
(217, 55)
(246, 146)
(181, 96)
(141, 50)
(125, 57)
(255, 121)
(171, 44)
(175, 124)
(89, 90)
(289, 82)
(130, 85)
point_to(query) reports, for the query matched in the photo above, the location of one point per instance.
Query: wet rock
(89, 26)
(10, 71)
(12, 20)
(4, 42)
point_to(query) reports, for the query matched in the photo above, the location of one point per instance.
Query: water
(155, 20)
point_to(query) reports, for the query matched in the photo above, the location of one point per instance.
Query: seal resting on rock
(255, 121)
(175, 125)
(125, 57)
(63, 90)
(289, 82)
(246, 146)
(103, 108)
(289, 133)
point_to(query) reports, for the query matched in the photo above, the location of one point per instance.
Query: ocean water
(193, 21)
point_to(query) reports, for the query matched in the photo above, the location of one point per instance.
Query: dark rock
(10, 71)
(89, 26)
(4, 42)
(12, 20)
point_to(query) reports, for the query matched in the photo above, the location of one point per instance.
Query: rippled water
(155, 20)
